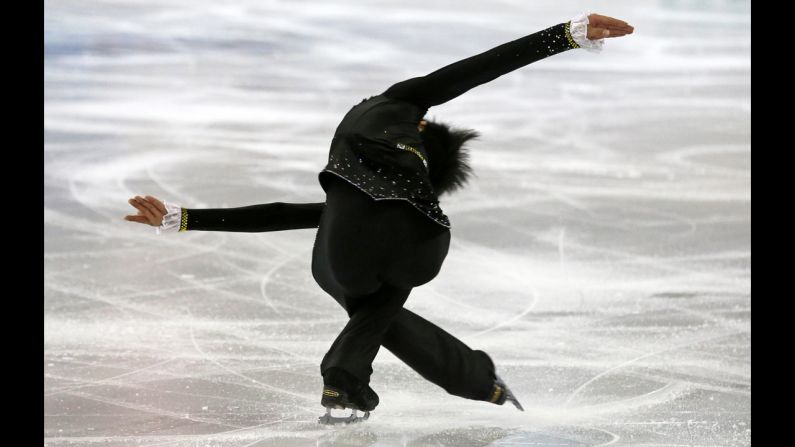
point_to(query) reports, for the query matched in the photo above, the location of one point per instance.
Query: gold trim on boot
(495, 395)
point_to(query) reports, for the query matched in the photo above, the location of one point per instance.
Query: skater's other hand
(150, 210)
(600, 27)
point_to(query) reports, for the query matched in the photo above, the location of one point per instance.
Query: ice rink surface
(601, 256)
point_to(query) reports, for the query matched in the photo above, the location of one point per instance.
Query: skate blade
(328, 419)
(512, 399)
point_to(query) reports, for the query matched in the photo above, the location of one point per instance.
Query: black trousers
(368, 255)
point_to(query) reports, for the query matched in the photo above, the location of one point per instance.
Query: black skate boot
(500, 393)
(341, 390)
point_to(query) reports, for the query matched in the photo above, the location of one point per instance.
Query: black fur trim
(448, 158)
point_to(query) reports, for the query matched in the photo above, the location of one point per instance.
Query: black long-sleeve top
(377, 145)
(274, 216)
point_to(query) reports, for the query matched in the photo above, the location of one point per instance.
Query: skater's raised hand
(600, 27)
(150, 210)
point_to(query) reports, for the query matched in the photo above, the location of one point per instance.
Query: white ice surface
(601, 255)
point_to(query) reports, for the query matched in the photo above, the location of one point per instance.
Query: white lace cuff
(579, 32)
(172, 221)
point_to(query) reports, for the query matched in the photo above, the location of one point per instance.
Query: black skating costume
(372, 245)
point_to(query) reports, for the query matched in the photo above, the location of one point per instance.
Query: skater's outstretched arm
(274, 216)
(455, 79)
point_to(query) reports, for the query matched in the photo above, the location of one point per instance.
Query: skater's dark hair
(448, 158)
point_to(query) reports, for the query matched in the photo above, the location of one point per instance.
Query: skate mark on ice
(182, 244)
(257, 274)
(615, 439)
(636, 359)
(79, 198)
(222, 255)
(700, 385)
(239, 334)
(430, 289)
(220, 436)
(658, 263)
(90, 383)
(141, 386)
(267, 277)
(242, 376)
(216, 241)
(517, 317)
(123, 307)
(189, 249)
(690, 223)
(179, 196)
(151, 410)
(683, 157)
(507, 273)
(213, 374)
(219, 292)
(665, 393)
(661, 264)
(712, 317)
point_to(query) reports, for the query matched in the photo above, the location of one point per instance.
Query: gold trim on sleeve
(567, 31)
(183, 223)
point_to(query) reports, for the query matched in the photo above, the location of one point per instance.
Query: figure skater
(381, 232)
